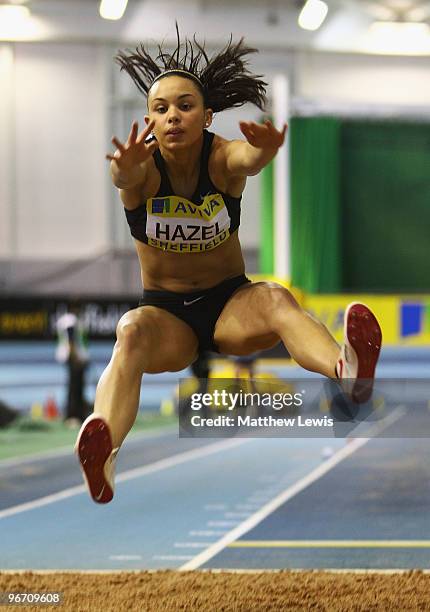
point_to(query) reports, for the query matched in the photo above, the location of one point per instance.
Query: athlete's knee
(133, 336)
(280, 300)
(279, 307)
(140, 344)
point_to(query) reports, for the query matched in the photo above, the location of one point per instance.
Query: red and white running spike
(359, 352)
(97, 458)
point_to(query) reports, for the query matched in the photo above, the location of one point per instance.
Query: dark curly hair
(224, 80)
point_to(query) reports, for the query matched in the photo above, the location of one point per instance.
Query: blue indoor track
(228, 503)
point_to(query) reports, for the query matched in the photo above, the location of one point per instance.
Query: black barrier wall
(30, 318)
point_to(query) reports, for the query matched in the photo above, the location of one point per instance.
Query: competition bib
(177, 224)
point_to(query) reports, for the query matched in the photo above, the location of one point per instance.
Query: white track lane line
(290, 492)
(157, 466)
(172, 557)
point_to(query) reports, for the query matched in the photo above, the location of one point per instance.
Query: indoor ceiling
(401, 8)
(381, 9)
(267, 23)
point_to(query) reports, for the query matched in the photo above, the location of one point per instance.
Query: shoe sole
(365, 337)
(94, 448)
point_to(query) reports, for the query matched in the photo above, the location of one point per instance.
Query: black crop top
(173, 223)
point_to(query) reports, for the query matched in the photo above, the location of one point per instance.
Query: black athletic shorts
(199, 309)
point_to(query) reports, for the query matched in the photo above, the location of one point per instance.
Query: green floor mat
(27, 437)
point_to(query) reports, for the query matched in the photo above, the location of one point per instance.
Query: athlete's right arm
(128, 163)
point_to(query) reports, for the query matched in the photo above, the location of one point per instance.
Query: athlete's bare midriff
(189, 271)
(186, 272)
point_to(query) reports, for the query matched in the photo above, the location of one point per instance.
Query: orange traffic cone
(51, 411)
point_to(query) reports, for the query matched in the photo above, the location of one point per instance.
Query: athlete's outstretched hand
(135, 151)
(263, 136)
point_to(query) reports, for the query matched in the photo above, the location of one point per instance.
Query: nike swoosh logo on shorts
(186, 303)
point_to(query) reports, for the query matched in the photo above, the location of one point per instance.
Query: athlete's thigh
(244, 325)
(169, 343)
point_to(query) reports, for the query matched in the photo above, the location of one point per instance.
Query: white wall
(7, 99)
(58, 151)
(363, 79)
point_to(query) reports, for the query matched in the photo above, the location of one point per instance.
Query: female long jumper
(181, 186)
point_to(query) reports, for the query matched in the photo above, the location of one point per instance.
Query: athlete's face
(176, 106)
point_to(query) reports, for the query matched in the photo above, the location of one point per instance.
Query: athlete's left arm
(263, 142)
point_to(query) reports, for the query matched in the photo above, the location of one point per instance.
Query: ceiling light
(15, 23)
(313, 14)
(13, 12)
(112, 9)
